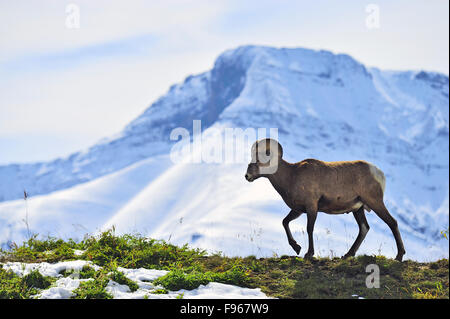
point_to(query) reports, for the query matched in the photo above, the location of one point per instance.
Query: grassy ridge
(283, 277)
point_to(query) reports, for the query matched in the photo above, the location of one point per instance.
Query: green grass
(281, 277)
(178, 279)
(120, 278)
(35, 250)
(15, 287)
(93, 289)
(85, 273)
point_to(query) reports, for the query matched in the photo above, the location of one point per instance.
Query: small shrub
(120, 278)
(94, 289)
(133, 251)
(160, 291)
(85, 273)
(15, 287)
(36, 280)
(177, 279)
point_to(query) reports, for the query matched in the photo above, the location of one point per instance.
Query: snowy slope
(324, 105)
(200, 97)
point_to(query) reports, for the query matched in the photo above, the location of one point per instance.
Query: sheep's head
(266, 154)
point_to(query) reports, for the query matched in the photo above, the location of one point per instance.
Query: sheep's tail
(378, 175)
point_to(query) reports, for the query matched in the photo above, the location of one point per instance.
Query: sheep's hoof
(309, 255)
(399, 257)
(296, 247)
(347, 255)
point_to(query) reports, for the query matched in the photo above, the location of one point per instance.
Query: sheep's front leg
(311, 215)
(291, 216)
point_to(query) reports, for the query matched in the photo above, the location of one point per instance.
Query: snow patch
(47, 269)
(63, 287)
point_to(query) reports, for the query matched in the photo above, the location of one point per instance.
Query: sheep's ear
(274, 149)
(280, 151)
(254, 151)
(275, 145)
(269, 146)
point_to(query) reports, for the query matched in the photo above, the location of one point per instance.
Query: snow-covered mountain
(327, 106)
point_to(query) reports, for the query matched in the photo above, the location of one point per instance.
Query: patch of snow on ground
(212, 290)
(215, 290)
(46, 269)
(62, 290)
(63, 287)
(119, 291)
(78, 252)
(142, 276)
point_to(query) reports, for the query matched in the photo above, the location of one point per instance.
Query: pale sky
(62, 88)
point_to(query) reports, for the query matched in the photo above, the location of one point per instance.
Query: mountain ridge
(241, 58)
(327, 106)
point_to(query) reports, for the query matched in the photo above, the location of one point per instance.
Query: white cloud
(30, 26)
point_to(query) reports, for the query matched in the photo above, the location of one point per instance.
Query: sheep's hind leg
(291, 216)
(363, 229)
(378, 207)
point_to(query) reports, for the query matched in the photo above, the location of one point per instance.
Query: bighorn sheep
(311, 186)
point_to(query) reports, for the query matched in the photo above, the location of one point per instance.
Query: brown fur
(311, 186)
